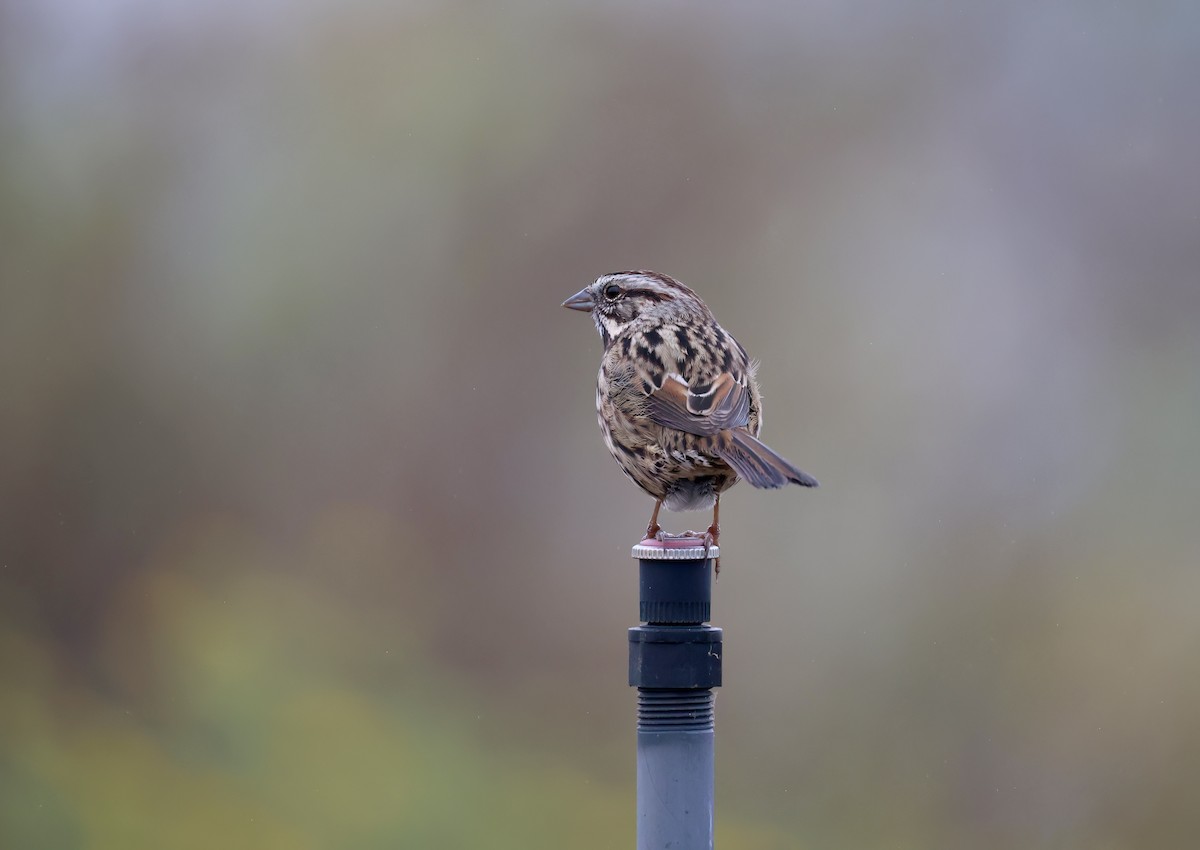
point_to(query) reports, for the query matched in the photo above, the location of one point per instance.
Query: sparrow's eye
(612, 292)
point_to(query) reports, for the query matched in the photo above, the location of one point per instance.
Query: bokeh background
(308, 538)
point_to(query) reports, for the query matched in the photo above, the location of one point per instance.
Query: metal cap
(674, 549)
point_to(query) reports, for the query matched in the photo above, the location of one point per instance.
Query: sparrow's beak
(581, 300)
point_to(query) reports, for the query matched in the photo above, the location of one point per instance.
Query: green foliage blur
(308, 538)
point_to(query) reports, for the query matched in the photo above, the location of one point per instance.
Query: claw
(714, 533)
(711, 538)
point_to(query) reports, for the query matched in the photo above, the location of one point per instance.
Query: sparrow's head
(617, 300)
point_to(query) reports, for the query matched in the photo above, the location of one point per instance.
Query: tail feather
(757, 463)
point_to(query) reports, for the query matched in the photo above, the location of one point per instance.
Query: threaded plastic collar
(661, 710)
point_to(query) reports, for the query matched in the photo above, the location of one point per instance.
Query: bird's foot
(683, 535)
(653, 530)
(709, 537)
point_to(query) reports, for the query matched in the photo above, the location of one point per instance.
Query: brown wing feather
(725, 403)
(758, 463)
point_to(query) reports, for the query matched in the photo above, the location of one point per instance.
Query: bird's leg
(654, 528)
(713, 535)
(710, 536)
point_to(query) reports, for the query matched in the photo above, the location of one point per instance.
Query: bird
(677, 398)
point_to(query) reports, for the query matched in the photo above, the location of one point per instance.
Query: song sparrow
(676, 396)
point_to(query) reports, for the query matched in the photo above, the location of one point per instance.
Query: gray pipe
(675, 662)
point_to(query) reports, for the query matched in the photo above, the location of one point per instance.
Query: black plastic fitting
(674, 649)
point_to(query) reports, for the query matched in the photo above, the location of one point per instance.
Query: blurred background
(308, 537)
